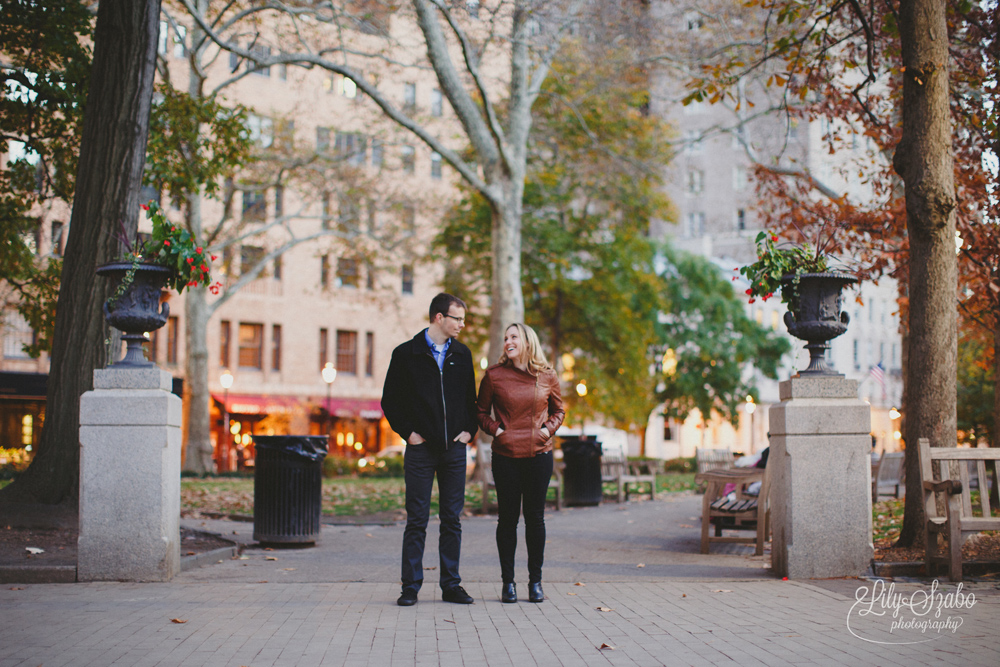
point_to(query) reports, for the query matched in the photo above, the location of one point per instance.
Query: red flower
(214, 258)
(734, 278)
(166, 243)
(774, 237)
(752, 300)
(190, 260)
(144, 207)
(192, 284)
(198, 250)
(204, 268)
(749, 290)
(173, 229)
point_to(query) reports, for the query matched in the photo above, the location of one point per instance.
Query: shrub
(390, 466)
(338, 466)
(680, 465)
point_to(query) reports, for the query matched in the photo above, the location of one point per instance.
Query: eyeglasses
(461, 320)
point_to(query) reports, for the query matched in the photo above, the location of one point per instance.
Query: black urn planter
(815, 314)
(138, 309)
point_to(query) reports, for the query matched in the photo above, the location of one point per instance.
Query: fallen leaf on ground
(17, 588)
(571, 594)
(722, 590)
(641, 565)
(190, 553)
(289, 569)
(685, 525)
(268, 549)
(244, 557)
(368, 534)
(448, 620)
(603, 608)
(606, 646)
(579, 584)
(262, 582)
(34, 550)
(684, 595)
(692, 518)
(178, 620)
(270, 557)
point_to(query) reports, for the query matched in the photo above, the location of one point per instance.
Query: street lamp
(226, 380)
(329, 375)
(751, 407)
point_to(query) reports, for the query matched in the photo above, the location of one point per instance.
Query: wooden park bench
(743, 512)
(961, 518)
(888, 471)
(711, 459)
(484, 466)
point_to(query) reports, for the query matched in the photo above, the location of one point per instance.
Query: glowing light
(362, 463)
(329, 373)
(340, 439)
(669, 362)
(897, 435)
(226, 380)
(234, 427)
(581, 389)
(350, 439)
(894, 413)
(358, 446)
(483, 363)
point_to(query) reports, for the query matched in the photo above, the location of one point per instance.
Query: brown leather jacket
(522, 403)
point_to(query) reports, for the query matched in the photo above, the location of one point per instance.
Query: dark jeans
(521, 482)
(421, 463)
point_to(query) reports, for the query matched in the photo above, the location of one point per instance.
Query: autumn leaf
(722, 590)
(605, 609)
(641, 565)
(579, 584)
(34, 550)
(270, 558)
(177, 620)
(609, 647)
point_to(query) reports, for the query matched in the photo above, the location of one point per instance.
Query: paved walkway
(335, 605)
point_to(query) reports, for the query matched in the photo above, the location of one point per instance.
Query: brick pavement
(335, 605)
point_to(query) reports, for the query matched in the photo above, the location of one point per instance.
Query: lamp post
(751, 407)
(226, 380)
(329, 375)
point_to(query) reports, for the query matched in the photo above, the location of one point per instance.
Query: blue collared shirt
(439, 354)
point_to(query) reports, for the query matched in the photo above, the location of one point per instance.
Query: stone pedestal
(130, 459)
(820, 471)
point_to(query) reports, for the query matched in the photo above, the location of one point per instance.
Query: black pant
(421, 462)
(521, 481)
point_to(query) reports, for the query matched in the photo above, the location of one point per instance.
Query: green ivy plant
(774, 262)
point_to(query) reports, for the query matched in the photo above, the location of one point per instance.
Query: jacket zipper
(444, 404)
(534, 402)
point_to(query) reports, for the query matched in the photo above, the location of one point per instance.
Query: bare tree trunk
(507, 298)
(923, 159)
(198, 454)
(112, 156)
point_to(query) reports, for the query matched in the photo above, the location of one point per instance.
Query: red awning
(366, 408)
(347, 408)
(253, 404)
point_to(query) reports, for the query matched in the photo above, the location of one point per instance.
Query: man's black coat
(418, 397)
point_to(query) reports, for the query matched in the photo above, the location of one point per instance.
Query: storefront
(355, 425)
(22, 415)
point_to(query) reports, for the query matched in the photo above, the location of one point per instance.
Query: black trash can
(287, 488)
(582, 474)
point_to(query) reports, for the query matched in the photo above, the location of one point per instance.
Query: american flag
(878, 373)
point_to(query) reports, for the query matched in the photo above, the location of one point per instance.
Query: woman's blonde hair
(531, 352)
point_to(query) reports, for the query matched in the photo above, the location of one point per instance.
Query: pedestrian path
(335, 605)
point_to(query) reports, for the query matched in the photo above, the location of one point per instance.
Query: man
(430, 401)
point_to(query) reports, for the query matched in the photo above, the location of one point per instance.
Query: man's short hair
(443, 302)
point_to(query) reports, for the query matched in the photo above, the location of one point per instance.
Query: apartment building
(710, 183)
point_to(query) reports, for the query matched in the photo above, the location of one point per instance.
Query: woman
(522, 391)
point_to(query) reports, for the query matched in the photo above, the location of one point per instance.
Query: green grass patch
(5, 482)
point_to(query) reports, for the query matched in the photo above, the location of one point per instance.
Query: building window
(346, 87)
(172, 332)
(164, 35)
(57, 242)
(279, 201)
(410, 96)
(741, 219)
(322, 139)
(224, 331)
(250, 257)
(278, 266)
(407, 156)
(407, 276)
(347, 352)
(369, 354)
(693, 22)
(351, 147)
(692, 142)
(347, 272)
(437, 103)
(324, 347)
(262, 52)
(254, 206)
(327, 210)
(349, 218)
(857, 357)
(180, 50)
(276, 347)
(436, 166)
(261, 130)
(409, 218)
(694, 224)
(694, 182)
(739, 178)
(324, 271)
(369, 276)
(251, 346)
(472, 6)
(377, 153)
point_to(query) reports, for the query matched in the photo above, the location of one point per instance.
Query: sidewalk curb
(38, 574)
(209, 557)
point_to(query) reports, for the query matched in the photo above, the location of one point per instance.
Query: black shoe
(407, 599)
(457, 595)
(508, 593)
(535, 593)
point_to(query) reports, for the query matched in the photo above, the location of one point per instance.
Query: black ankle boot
(508, 593)
(535, 593)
